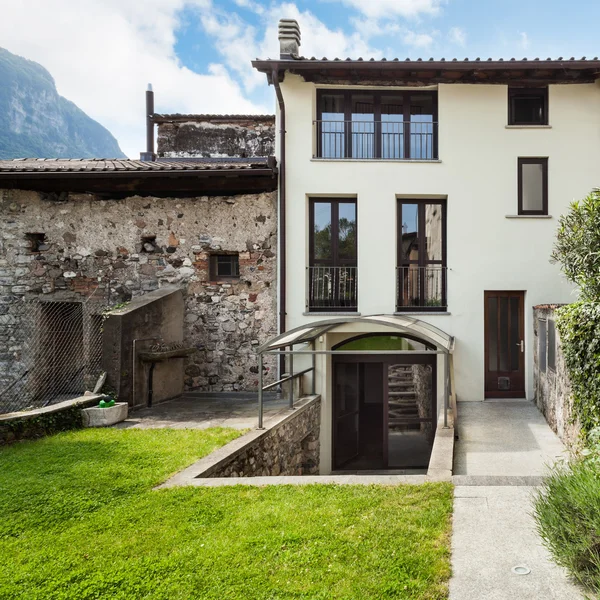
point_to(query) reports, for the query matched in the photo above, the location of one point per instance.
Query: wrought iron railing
(332, 288)
(422, 288)
(393, 140)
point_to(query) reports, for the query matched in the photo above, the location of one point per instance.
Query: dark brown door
(504, 344)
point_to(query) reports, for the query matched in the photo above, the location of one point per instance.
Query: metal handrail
(393, 140)
(330, 287)
(421, 287)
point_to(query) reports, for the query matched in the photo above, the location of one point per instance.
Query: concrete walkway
(504, 448)
(201, 411)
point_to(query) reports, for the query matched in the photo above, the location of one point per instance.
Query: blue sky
(102, 53)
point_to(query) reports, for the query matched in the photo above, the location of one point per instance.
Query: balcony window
(377, 125)
(528, 106)
(421, 270)
(332, 272)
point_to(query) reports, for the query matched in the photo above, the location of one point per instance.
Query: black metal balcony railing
(422, 288)
(332, 288)
(399, 140)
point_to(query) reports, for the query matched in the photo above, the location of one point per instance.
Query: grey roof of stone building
(176, 117)
(114, 165)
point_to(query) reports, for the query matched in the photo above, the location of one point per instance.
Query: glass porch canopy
(416, 328)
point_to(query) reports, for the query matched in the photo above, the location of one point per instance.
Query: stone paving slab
(493, 531)
(201, 411)
(504, 437)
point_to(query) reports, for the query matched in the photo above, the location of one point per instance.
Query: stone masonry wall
(117, 249)
(289, 448)
(552, 387)
(217, 137)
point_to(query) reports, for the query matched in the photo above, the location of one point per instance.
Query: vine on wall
(579, 328)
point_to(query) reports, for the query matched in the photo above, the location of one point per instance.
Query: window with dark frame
(542, 345)
(421, 262)
(551, 345)
(333, 273)
(528, 106)
(377, 124)
(224, 266)
(532, 186)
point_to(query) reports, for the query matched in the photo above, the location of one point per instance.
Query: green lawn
(79, 520)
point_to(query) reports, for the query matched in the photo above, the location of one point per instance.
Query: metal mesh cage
(49, 351)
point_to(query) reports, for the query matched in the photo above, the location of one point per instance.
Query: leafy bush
(577, 246)
(567, 512)
(579, 328)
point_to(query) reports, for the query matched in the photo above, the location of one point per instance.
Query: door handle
(522, 345)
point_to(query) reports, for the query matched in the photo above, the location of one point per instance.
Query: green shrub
(579, 328)
(567, 512)
(577, 246)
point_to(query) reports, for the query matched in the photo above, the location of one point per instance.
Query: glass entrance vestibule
(383, 381)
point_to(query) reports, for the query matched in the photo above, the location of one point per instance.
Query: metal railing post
(446, 389)
(260, 391)
(314, 374)
(291, 370)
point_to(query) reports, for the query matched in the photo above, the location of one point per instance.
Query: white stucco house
(418, 207)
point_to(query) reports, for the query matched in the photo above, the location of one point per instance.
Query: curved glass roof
(406, 324)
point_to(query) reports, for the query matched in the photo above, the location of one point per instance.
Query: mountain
(36, 122)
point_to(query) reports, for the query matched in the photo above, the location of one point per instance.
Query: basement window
(224, 266)
(528, 106)
(37, 242)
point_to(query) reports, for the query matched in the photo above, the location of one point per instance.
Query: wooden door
(504, 344)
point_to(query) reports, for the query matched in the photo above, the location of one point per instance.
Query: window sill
(421, 312)
(378, 160)
(333, 313)
(528, 216)
(528, 127)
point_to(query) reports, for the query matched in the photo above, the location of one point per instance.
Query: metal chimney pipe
(149, 121)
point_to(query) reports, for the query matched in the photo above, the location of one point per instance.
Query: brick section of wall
(217, 139)
(552, 387)
(289, 448)
(118, 249)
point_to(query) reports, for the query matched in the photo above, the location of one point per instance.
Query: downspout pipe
(282, 217)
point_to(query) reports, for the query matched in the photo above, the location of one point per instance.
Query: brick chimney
(289, 38)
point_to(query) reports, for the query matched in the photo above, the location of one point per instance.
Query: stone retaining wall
(289, 445)
(40, 422)
(552, 385)
(289, 448)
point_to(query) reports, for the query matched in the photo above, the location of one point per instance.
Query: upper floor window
(421, 271)
(533, 186)
(528, 106)
(377, 124)
(332, 272)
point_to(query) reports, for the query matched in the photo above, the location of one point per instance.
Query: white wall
(477, 172)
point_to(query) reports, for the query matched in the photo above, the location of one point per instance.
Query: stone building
(101, 232)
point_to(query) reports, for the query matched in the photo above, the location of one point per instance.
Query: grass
(80, 520)
(567, 512)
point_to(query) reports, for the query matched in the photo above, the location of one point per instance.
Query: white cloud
(238, 42)
(417, 40)
(458, 36)
(253, 6)
(103, 53)
(389, 9)
(524, 39)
